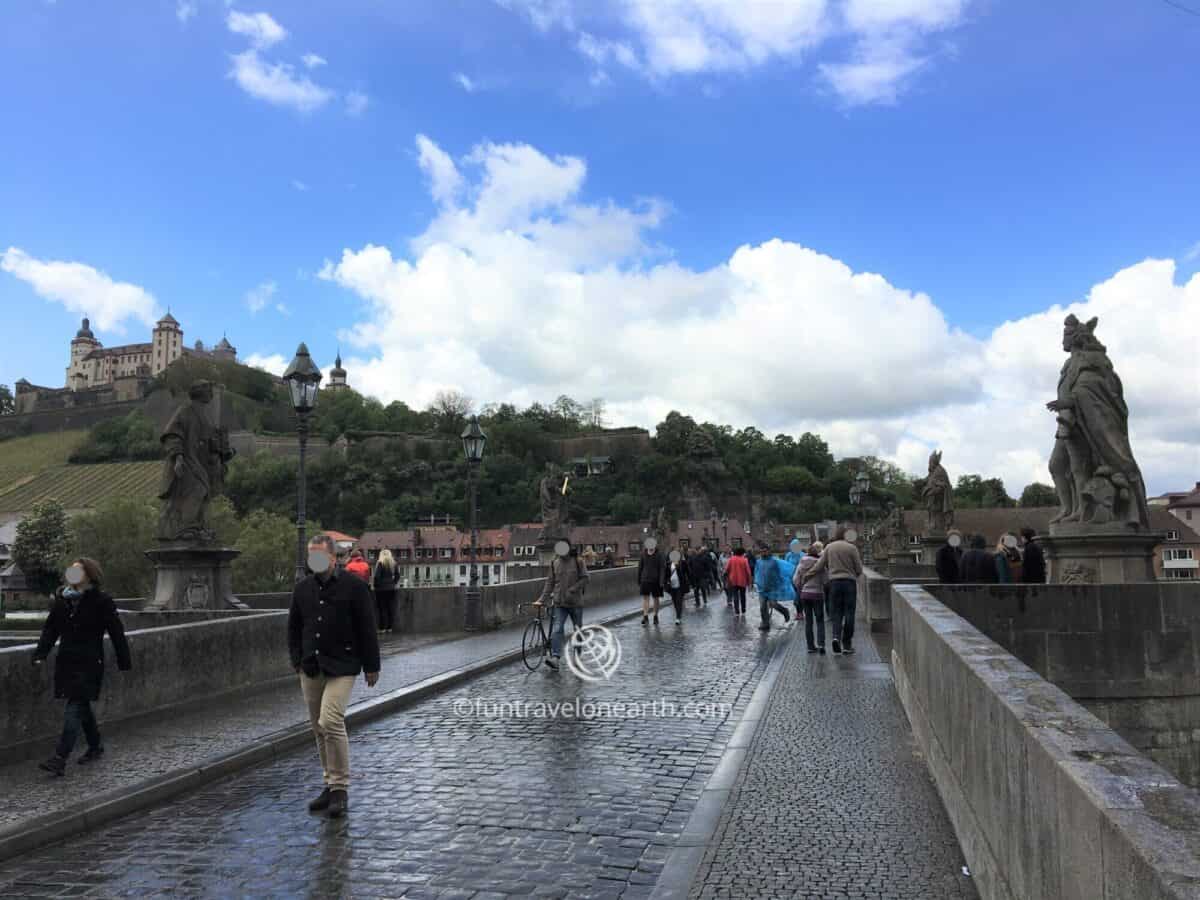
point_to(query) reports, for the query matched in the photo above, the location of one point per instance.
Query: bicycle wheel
(533, 644)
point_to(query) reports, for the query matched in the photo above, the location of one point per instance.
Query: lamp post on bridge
(725, 530)
(303, 379)
(474, 441)
(858, 497)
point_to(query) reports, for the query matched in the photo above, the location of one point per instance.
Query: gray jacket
(566, 582)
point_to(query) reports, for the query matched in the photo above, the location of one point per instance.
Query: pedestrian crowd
(1014, 560)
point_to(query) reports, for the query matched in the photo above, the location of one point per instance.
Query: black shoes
(552, 662)
(321, 803)
(55, 765)
(812, 649)
(656, 619)
(93, 754)
(821, 649)
(338, 803)
(847, 650)
(764, 627)
(837, 646)
(644, 620)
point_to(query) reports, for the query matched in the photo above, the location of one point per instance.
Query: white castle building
(93, 364)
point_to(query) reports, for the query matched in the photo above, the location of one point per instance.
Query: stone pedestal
(1084, 555)
(192, 577)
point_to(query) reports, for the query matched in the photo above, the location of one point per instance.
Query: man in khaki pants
(331, 638)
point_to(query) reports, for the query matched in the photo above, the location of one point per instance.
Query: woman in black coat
(79, 617)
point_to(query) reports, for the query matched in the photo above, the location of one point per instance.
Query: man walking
(842, 562)
(331, 638)
(771, 585)
(1033, 563)
(564, 592)
(737, 579)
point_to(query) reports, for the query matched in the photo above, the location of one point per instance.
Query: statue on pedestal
(890, 536)
(1097, 479)
(938, 495)
(550, 493)
(197, 455)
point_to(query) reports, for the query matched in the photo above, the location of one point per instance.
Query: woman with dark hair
(80, 616)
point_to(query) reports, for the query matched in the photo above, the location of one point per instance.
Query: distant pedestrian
(331, 638)
(652, 575)
(722, 567)
(698, 574)
(1008, 559)
(80, 616)
(843, 564)
(737, 579)
(1033, 561)
(384, 580)
(977, 565)
(769, 580)
(678, 582)
(565, 586)
(357, 566)
(811, 591)
(948, 558)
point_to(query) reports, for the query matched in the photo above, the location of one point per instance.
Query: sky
(865, 218)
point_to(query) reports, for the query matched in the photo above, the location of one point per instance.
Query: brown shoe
(338, 803)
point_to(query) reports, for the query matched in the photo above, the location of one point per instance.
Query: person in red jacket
(737, 579)
(358, 566)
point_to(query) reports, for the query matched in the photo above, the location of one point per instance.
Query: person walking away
(78, 619)
(723, 567)
(843, 565)
(358, 567)
(978, 566)
(331, 638)
(565, 586)
(1008, 559)
(678, 582)
(1033, 560)
(737, 579)
(385, 578)
(811, 591)
(698, 574)
(652, 574)
(948, 558)
(768, 579)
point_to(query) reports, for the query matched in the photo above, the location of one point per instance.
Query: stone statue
(938, 495)
(551, 496)
(1094, 472)
(197, 455)
(890, 536)
(661, 526)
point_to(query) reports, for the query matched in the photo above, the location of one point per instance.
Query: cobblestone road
(834, 801)
(449, 806)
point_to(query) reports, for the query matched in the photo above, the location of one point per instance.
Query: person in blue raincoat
(795, 553)
(773, 579)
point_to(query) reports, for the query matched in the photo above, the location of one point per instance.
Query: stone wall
(1048, 802)
(172, 665)
(1129, 653)
(50, 420)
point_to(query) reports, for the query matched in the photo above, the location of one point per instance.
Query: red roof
(340, 537)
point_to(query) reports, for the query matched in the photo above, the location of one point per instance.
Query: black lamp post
(303, 379)
(858, 497)
(712, 515)
(725, 530)
(474, 441)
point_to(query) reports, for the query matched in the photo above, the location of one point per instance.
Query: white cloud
(268, 362)
(258, 297)
(185, 9)
(299, 185)
(1193, 254)
(356, 103)
(465, 82)
(259, 28)
(601, 312)
(887, 39)
(312, 60)
(277, 83)
(83, 289)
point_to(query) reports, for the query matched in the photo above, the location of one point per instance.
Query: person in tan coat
(563, 593)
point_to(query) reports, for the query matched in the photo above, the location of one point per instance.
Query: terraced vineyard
(23, 458)
(82, 487)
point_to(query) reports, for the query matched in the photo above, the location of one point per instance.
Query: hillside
(23, 458)
(81, 486)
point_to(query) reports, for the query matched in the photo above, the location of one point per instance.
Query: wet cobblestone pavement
(452, 806)
(834, 800)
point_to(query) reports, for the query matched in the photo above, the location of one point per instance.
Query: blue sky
(999, 158)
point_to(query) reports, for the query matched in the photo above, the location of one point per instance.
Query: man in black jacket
(949, 558)
(1033, 561)
(977, 565)
(331, 638)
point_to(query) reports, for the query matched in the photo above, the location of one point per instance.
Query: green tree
(131, 437)
(624, 508)
(117, 534)
(1038, 494)
(267, 542)
(42, 544)
(8, 403)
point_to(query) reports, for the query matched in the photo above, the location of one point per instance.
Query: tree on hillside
(8, 403)
(42, 545)
(977, 492)
(132, 437)
(449, 410)
(1038, 494)
(267, 542)
(117, 534)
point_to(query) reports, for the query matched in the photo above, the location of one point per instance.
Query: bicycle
(535, 642)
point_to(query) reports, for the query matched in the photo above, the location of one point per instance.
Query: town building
(337, 376)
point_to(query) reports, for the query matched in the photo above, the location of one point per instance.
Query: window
(427, 573)
(404, 554)
(914, 539)
(1172, 535)
(518, 551)
(684, 543)
(735, 543)
(499, 551)
(447, 553)
(462, 570)
(528, 551)
(1172, 553)
(635, 547)
(1187, 514)
(1179, 573)
(495, 570)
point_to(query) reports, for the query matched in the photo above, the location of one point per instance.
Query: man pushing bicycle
(564, 593)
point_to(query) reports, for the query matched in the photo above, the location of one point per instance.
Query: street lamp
(303, 379)
(725, 530)
(858, 497)
(713, 516)
(474, 441)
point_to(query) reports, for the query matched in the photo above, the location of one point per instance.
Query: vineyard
(23, 458)
(80, 486)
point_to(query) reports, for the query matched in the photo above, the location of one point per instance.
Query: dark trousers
(843, 598)
(814, 608)
(739, 598)
(558, 626)
(385, 609)
(677, 595)
(78, 715)
(700, 592)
